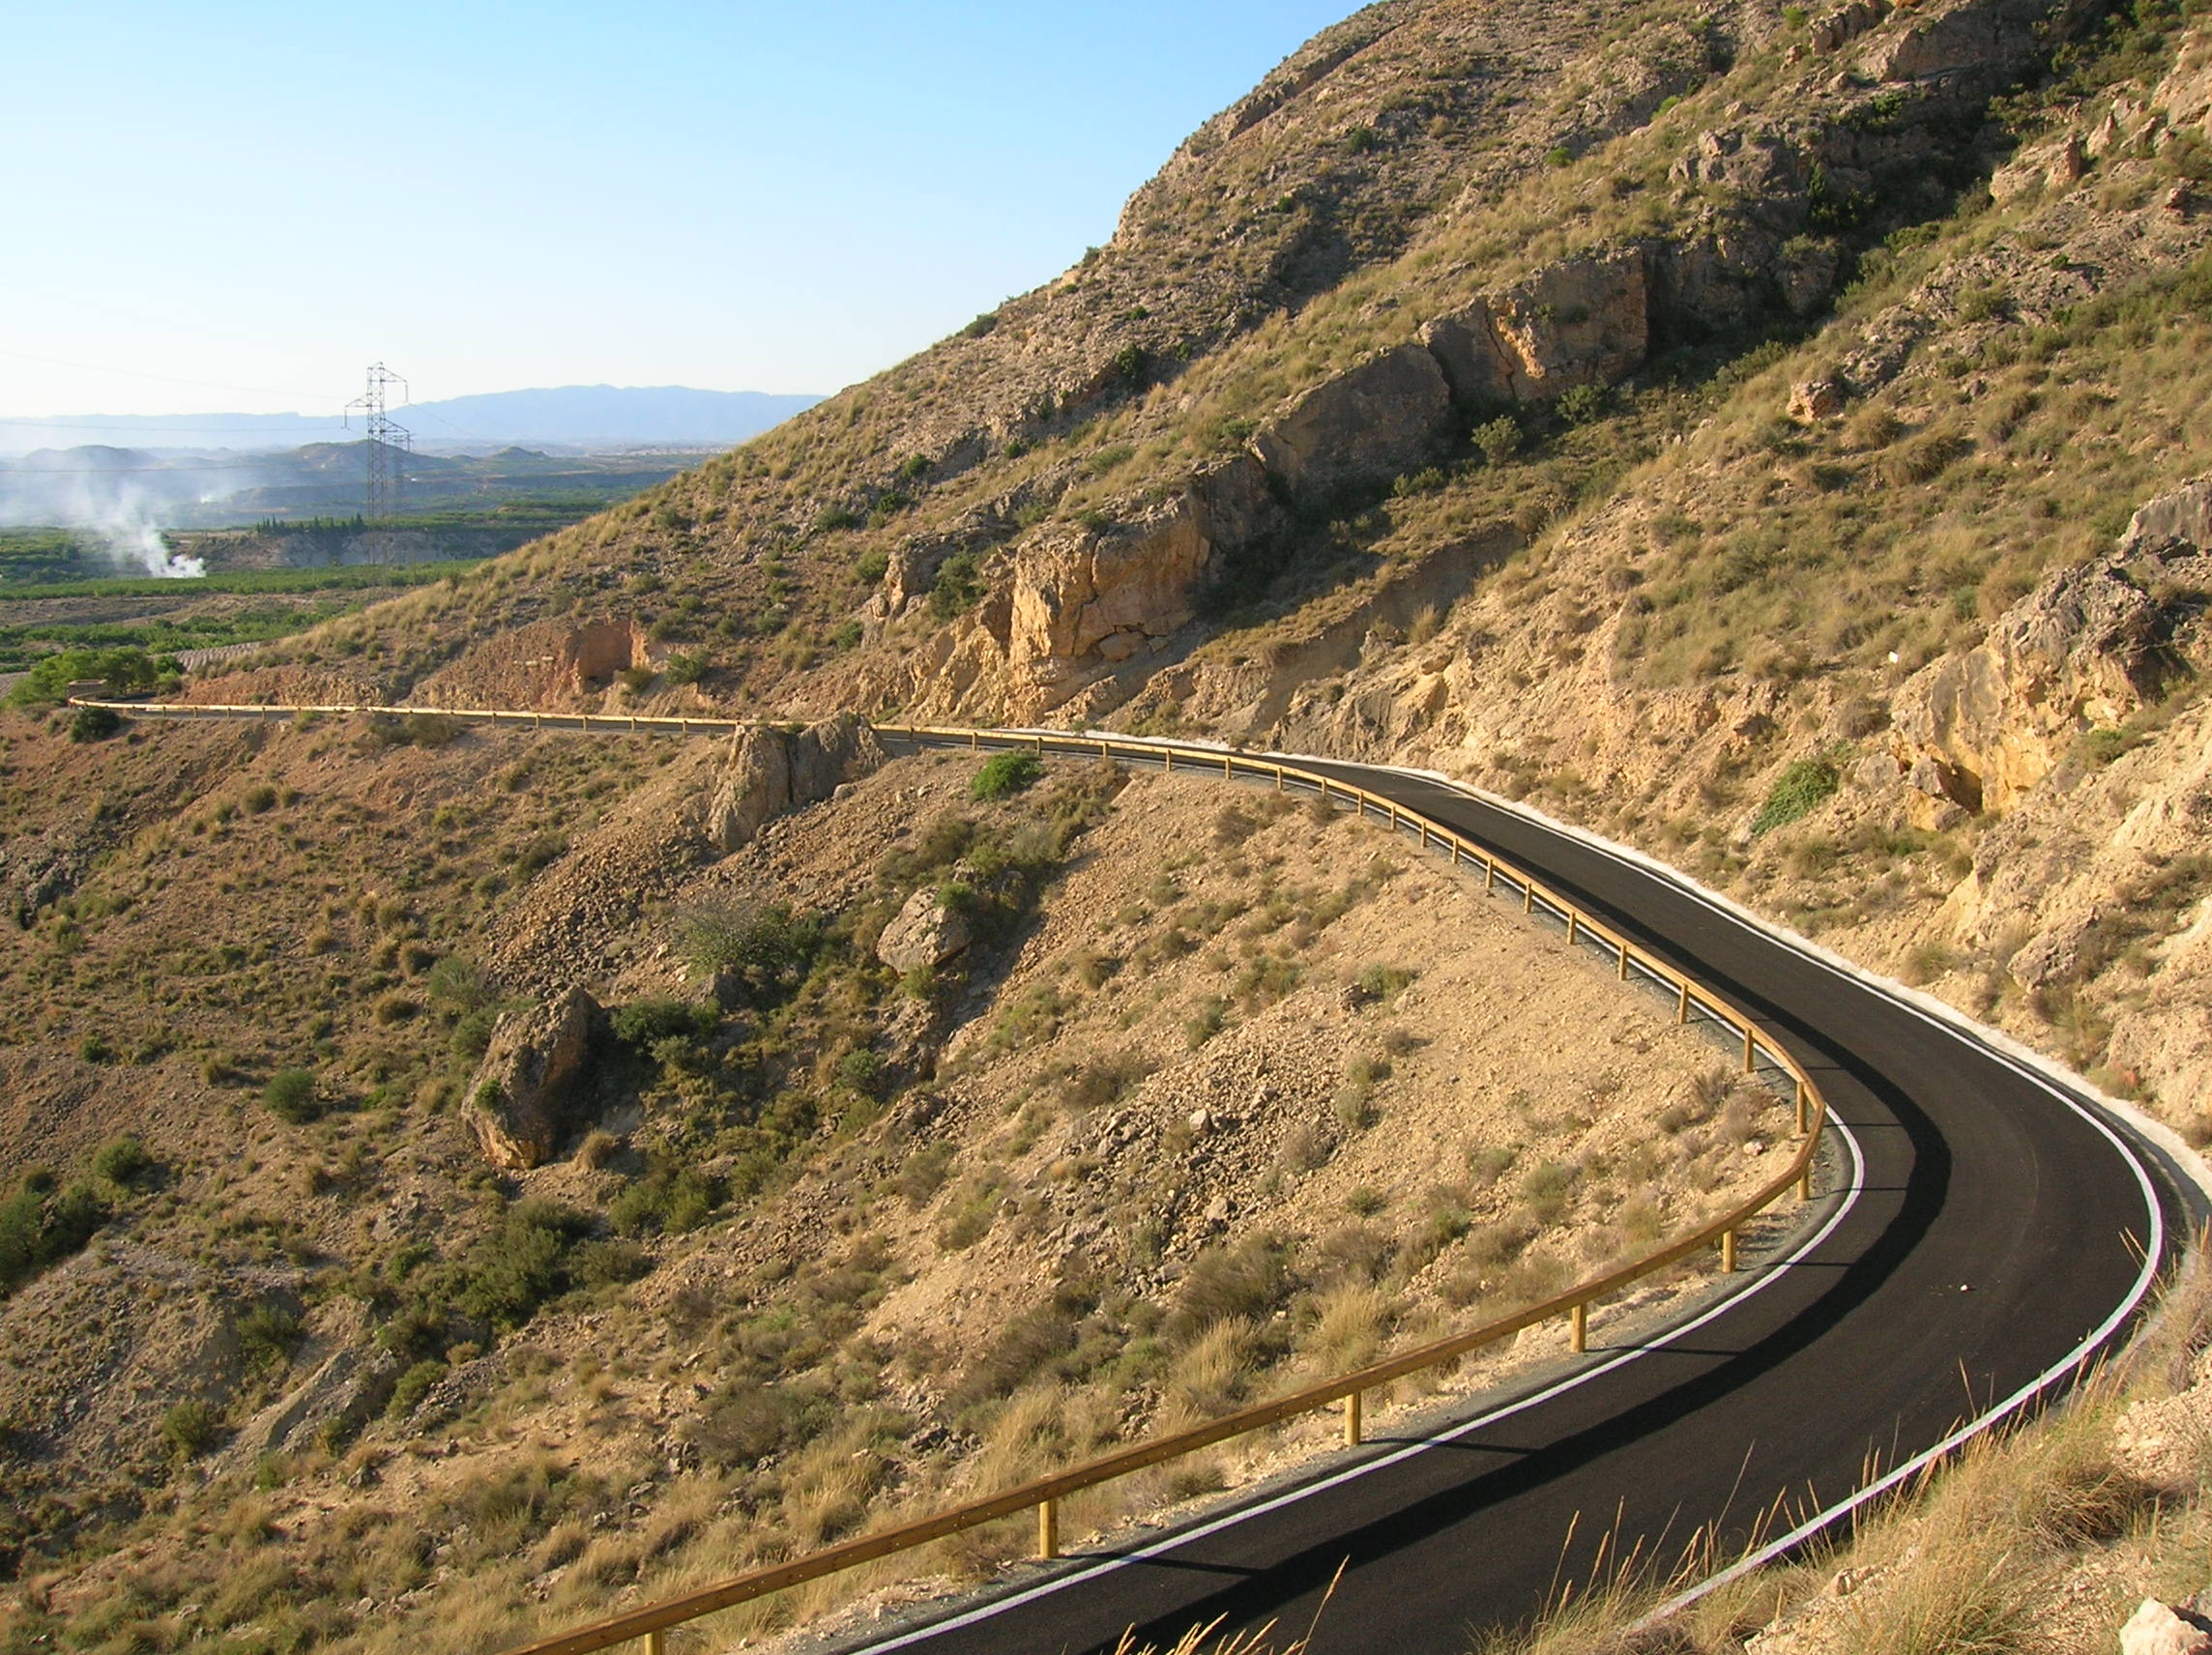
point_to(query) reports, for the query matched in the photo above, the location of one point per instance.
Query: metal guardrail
(1043, 1494)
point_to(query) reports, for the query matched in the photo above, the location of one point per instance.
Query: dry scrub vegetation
(1177, 1131)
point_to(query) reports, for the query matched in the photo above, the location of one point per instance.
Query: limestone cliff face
(2087, 648)
(1584, 320)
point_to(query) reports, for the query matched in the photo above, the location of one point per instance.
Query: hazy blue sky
(260, 199)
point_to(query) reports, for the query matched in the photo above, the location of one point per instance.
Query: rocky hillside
(1764, 435)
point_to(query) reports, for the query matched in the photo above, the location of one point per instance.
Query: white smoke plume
(140, 541)
(120, 495)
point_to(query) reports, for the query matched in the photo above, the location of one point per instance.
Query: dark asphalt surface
(1996, 1230)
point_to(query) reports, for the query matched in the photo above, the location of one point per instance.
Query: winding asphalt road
(1993, 1235)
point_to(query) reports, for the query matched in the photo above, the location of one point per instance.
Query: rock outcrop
(2178, 520)
(926, 933)
(1389, 415)
(2086, 648)
(771, 770)
(1583, 321)
(1095, 597)
(531, 1092)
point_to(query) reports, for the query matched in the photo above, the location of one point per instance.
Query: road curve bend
(1995, 1234)
(1998, 1236)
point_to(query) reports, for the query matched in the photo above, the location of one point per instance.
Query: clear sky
(237, 206)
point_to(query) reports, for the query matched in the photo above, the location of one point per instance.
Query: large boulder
(531, 1092)
(925, 933)
(1389, 415)
(771, 769)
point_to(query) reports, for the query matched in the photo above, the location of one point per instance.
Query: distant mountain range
(117, 491)
(596, 417)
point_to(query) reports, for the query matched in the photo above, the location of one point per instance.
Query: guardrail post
(1488, 876)
(657, 1643)
(1749, 1051)
(974, 741)
(1572, 918)
(1352, 1421)
(1105, 749)
(1624, 961)
(1325, 790)
(1278, 778)
(1682, 1011)
(1577, 1328)
(1048, 1529)
(1167, 761)
(1805, 1182)
(1528, 898)
(1228, 766)
(1727, 1252)
(1804, 1111)
(1040, 746)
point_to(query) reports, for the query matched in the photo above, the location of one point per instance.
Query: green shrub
(1799, 790)
(457, 984)
(763, 951)
(291, 1096)
(93, 724)
(1004, 775)
(688, 668)
(645, 1023)
(40, 1227)
(1249, 1281)
(541, 852)
(1579, 404)
(266, 1335)
(958, 586)
(1499, 440)
(123, 672)
(413, 1386)
(472, 1034)
(871, 566)
(520, 1264)
(670, 1199)
(188, 1429)
(121, 1161)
